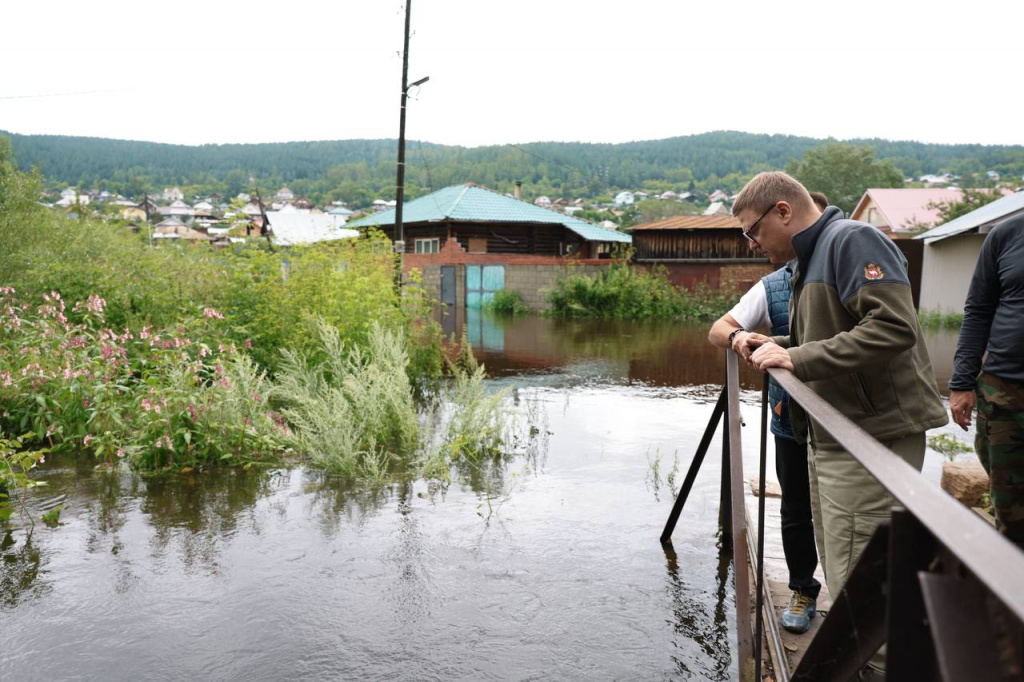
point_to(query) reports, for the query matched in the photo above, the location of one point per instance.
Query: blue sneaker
(797, 616)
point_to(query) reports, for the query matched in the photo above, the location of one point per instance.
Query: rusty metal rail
(936, 584)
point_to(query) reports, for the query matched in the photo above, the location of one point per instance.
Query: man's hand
(961, 405)
(771, 355)
(745, 343)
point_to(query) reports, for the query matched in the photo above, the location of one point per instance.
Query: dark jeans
(797, 527)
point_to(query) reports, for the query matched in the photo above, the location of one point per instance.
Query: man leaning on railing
(855, 340)
(766, 306)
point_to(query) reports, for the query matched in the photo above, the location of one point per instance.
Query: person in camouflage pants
(999, 441)
(993, 328)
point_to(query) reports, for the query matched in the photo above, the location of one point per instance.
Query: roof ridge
(456, 200)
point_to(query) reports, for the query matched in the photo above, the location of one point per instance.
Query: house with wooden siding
(700, 248)
(470, 241)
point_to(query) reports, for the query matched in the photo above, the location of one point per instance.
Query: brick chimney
(519, 189)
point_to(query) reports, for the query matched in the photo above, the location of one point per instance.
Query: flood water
(284, 574)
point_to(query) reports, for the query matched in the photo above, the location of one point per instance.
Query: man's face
(767, 232)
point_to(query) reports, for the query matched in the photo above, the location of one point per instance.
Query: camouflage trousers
(1000, 446)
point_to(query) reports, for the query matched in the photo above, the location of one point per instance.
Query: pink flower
(85, 402)
(211, 313)
(248, 344)
(42, 460)
(95, 304)
(87, 440)
(7, 290)
(146, 405)
(120, 452)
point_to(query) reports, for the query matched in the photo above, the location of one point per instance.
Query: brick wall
(529, 280)
(742, 277)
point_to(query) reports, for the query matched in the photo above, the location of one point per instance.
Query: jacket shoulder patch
(873, 271)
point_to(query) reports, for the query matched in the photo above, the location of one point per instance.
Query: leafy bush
(625, 292)
(15, 464)
(936, 319)
(170, 398)
(948, 445)
(507, 303)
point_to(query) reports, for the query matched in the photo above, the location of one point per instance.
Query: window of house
(428, 245)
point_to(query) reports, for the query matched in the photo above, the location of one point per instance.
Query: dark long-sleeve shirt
(994, 312)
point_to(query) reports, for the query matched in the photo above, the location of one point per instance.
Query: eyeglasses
(751, 234)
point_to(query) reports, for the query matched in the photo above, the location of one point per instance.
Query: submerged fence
(936, 583)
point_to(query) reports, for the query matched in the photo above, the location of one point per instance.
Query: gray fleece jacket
(854, 336)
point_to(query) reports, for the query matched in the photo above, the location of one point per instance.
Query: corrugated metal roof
(986, 215)
(469, 203)
(293, 227)
(690, 222)
(904, 206)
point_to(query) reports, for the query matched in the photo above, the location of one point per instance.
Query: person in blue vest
(766, 305)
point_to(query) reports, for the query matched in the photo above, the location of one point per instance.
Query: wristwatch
(733, 334)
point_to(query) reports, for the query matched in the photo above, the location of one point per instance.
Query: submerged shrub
(475, 425)
(507, 302)
(622, 291)
(349, 409)
(937, 319)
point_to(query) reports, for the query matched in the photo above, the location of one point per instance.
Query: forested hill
(358, 170)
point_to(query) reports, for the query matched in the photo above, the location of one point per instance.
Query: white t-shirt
(752, 310)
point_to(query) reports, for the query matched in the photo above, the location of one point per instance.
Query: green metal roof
(469, 203)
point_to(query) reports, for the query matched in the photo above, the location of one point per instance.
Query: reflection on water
(652, 353)
(694, 622)
(543, 565)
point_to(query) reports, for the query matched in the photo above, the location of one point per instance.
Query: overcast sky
(509, 72)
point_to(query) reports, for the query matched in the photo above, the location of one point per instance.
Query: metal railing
(936, 583)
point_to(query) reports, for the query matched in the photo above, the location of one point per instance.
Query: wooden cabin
(704, 248)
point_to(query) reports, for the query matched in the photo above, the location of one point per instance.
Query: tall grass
(625, 292)
(351, 411)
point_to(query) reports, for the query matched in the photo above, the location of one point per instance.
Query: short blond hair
(768, 188)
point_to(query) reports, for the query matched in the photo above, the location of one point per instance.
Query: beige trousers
(847, 504)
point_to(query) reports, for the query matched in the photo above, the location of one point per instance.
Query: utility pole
(400, 184)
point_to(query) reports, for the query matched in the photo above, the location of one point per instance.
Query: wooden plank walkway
(777, 579)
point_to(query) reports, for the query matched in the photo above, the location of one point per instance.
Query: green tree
(844, 172)
(969, 201)
(651, 210)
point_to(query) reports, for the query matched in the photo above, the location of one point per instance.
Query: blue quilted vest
(777, 290)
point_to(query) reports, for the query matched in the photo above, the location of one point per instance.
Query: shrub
(170, 398)
(936, 319)
(625, 292)
(351, 411)
(507, 303)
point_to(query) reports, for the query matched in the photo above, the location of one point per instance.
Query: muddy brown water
(286, 574)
